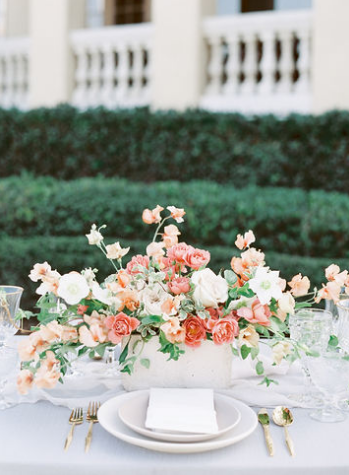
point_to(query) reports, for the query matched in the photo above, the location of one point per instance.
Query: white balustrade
(112, 66)
(266, 59)
(14, 64)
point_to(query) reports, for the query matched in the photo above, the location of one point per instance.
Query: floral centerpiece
(169, 294)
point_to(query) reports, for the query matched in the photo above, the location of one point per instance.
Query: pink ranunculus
(258, 313)
(177, 253)
(25, 381)
(120, 325)
(180, 285)
(196, 258)
(225, 330)
(195, 331)
(138, 260)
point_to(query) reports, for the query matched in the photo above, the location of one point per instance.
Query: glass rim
(17, 291)
(321, 311)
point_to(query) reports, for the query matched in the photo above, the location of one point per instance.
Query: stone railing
(14, 66)
(259, 62)
(112, 66)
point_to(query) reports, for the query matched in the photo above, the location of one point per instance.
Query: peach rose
(225, 330)
(244, 241)
(195, 331)
(179, 285)
(258, 313)
(136, 261)
(176, 213)
(152, 216)
(299, 285)
(173, 331)
(196, 258)
(25, 381)
(120, 325)
(178, 252)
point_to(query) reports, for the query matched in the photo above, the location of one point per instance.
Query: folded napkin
(182, 410)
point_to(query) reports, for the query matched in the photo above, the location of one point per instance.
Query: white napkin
(182, 410)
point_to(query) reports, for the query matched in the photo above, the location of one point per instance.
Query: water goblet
(343, 322)
(330, 374)
(310, 329)
(9, 303)
(8, 362)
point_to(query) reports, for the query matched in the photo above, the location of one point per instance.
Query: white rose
(210, 289)
(153, 297)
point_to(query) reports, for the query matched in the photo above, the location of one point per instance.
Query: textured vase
(208, 366)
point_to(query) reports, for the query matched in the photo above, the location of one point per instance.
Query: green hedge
(288, 221)
(18, 255)
(309, 152)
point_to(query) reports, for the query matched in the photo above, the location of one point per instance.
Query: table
(32, 438)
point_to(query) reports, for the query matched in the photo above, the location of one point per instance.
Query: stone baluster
(286, 63)
(95, 77)
(303, 63)
(146, 74)
(122, 74)
(232, 69)
(8, 80)
(249, 65)
(79, 98)
(137, 70)
(2, 69)
(215, 66)
(108, 74)
(267, 63)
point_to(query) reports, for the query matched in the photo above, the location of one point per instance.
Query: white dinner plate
(109, 419)
(133, 414)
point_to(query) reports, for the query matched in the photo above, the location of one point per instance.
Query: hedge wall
(66, 253)
(288, 221)
(310, 152)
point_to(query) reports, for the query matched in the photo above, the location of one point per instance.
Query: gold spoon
(284, 418)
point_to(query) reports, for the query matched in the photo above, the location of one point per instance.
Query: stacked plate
(124, 417)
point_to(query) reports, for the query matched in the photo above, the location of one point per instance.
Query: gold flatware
(76, 417)
(263, 418)
(284, 418)
(91, 417)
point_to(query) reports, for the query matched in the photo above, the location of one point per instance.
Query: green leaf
(234, 350)
(259, 368)
(145, 362)
(254, 352)
(268, 381)
(230, 277)
(124, 352)
(245, 351)
(333, 341)
(151, 319)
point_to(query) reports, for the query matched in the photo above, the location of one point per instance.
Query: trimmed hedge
(288, 221)
(310, 152)
(18, 255)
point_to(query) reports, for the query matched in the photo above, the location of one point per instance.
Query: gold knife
(263, 418)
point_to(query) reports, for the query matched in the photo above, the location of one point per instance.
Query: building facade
(249, 56)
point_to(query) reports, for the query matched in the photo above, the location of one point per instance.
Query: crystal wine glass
(8, 362)
(310, 328)
(9, 303)
(330, 374)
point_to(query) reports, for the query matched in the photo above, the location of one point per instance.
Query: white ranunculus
(153, 297)
(210, 289)
(94, 237)
(73, 288)
(265, 284)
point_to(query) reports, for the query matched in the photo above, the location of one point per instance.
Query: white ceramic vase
(208, 366)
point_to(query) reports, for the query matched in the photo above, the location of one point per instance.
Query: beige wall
(330, 72)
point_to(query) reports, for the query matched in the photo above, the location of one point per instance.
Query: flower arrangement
(168, 293)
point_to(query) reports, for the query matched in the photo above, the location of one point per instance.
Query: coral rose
(196, 258)
(195, 331)
(178, 252)
(135, 262)
(258, 313)
(225, 330)
(120, 325)
(180, 285)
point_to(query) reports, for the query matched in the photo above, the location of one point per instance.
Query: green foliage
(310, 152)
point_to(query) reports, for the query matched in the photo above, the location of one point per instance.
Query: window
(256, 5)
(130, 11)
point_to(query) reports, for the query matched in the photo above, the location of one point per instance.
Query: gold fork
(76, 417)
(91, 416)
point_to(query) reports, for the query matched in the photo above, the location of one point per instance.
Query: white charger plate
(109, 419)
(133, 414)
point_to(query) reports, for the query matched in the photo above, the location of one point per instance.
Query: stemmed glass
(10, 297)
(8, 362)
(330, 374)
(310, 329)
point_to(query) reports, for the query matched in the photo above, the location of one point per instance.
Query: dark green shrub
(309, 152)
